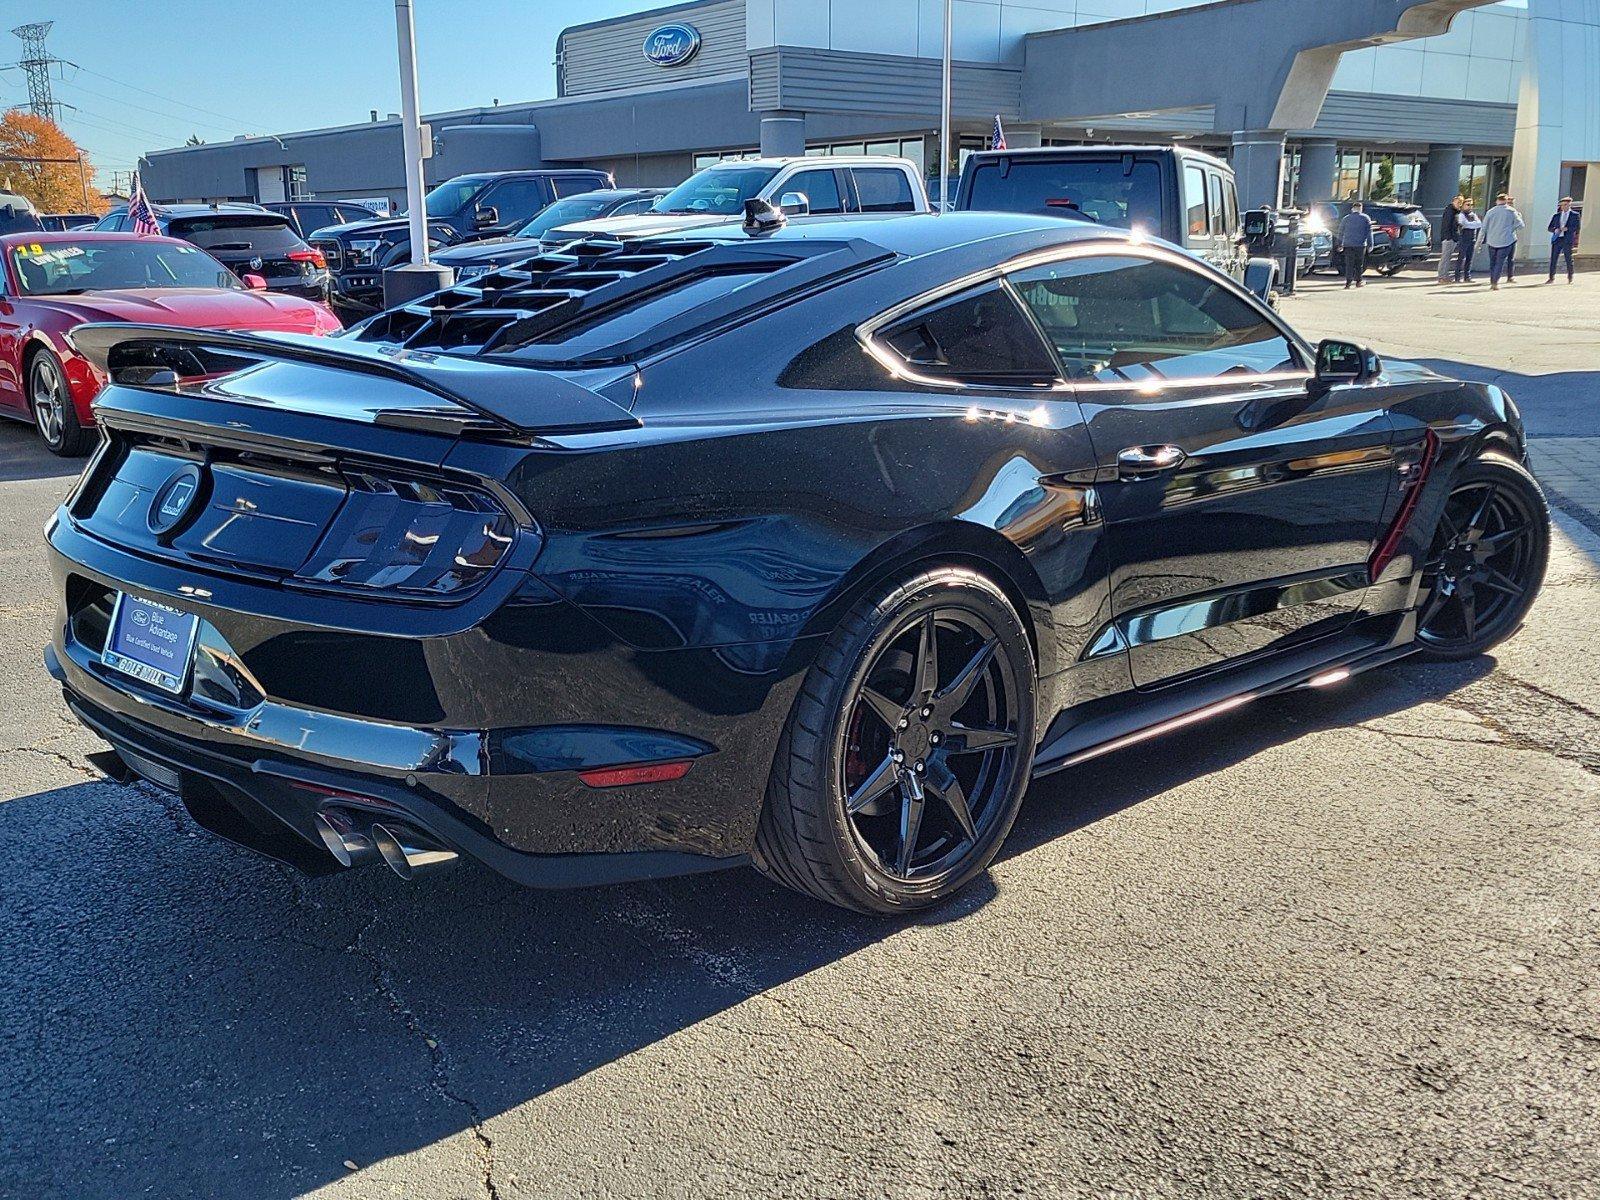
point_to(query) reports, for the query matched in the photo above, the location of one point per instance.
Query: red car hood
(210, 308)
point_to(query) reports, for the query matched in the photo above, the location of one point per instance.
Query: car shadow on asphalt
(23, 456)
(182, 1018)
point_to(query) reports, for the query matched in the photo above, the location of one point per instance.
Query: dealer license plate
(151, 641)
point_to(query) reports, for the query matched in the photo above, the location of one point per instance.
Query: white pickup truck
(811, 186)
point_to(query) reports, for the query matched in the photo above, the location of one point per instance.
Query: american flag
(141, 213)
(999, 137)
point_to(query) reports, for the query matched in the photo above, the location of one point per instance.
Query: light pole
(944, 117)
(419, 277)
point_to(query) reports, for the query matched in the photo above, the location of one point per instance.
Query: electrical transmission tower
(36, 62)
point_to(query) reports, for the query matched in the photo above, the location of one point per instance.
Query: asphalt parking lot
(1341, 943)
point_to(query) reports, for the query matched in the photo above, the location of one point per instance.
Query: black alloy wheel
(910, 747)
(1487, 560)
(54, 415)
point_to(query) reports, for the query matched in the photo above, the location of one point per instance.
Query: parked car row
(247, 238)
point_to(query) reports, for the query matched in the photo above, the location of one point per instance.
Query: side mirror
(254, 282)
(1343, 363)
(794, 204)
(485, 216)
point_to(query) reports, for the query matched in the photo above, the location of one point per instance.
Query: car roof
(228, 208)
(56, 237)
(1108, 149)
(816, 160)
(906, 233)
(615, 194)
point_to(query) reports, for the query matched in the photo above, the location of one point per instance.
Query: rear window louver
(539, 309)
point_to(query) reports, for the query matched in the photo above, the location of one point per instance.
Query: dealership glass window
(710, 158)
(977, 334)
(1121, 319)
(1347, 180)
(297, 182)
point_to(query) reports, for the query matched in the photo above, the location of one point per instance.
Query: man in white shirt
(1501, 225)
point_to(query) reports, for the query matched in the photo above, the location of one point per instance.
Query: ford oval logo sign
(672, 45)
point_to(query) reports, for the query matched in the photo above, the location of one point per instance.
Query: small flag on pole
(141, 214)
(999, 137)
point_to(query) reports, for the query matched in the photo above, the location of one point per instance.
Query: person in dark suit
(1565, 229)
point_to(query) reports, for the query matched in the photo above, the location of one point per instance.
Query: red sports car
(51, 282)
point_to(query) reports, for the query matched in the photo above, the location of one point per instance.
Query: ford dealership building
(1310, 99)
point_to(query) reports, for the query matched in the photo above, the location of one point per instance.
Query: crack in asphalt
(383, 985)
(56, 756)
(723, 968)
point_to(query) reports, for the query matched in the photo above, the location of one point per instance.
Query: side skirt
(1080, 734)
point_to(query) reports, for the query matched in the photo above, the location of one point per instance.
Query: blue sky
(151, 72)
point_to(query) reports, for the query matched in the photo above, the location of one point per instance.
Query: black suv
(464, 209)
(1401, 233)
(245, 238)
(1171, 192)
(490, 254)
(308, 216)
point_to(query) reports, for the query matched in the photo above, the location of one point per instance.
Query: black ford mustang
(802, 547)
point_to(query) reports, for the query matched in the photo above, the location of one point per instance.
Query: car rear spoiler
(508, 398)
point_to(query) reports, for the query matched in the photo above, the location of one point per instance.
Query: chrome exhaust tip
(351, 846)
(407, 850)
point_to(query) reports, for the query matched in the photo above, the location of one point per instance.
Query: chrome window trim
(867, 330)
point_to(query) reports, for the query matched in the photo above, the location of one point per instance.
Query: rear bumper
(472, 724)
(268, 806)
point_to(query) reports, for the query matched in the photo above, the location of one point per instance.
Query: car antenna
(762, 216)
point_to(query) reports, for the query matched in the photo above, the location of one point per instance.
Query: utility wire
(188, 122)
(237, 122)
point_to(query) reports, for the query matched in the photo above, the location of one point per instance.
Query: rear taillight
(310, 255)
(410, 537)
(1392, 230)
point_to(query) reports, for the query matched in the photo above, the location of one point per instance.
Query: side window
(1219, 219)
(1230, 200)
(628, 208)
(1121, 319)
(346, 216)
(821, 188)
(1194, 201)
(979, 335)
(516, 199)
(571, 185)
(109, 223)
(882, 189)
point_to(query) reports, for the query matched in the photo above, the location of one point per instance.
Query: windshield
(65, 268)
(721, 191)
(1099, 189)
(564, 212)
(452, 195)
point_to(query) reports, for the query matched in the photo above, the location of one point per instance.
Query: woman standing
(1467, 227)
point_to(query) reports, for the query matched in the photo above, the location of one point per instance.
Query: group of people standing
(1499, 229)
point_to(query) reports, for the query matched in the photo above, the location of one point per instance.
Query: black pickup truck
(1173, 193)
(463, 209)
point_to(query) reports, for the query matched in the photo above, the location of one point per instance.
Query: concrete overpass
(1264, 66)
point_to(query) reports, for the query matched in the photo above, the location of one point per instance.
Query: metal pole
(83, 182)
(944, 117)
(411, 129)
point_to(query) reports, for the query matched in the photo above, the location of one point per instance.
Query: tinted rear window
(255, 231)
(1101, 189)
(979, 335)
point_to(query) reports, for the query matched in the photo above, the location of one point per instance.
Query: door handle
(1141, 462)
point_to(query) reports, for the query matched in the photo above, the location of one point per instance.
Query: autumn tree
(52, 186)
